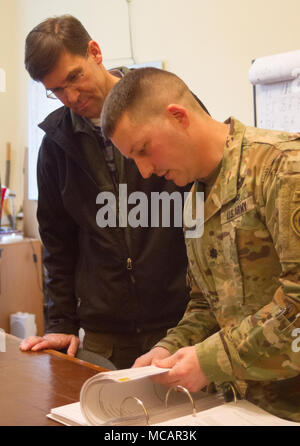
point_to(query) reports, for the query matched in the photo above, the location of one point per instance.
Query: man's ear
(95, 51)
(179, 113)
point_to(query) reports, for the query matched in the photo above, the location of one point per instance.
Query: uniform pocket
(259, 265)
(223, 262)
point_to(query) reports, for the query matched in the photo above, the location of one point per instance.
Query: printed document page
(242, 413)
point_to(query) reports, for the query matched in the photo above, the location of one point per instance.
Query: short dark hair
(47, 40)
(142, 91)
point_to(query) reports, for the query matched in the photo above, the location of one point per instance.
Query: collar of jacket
(229, 173)
(58, 127)
(225, 188)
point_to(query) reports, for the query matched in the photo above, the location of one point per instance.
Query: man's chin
(87, 113)
(178, 181)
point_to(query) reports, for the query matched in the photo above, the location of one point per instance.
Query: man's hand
(185, 370)
(56, 341)
(154, 354)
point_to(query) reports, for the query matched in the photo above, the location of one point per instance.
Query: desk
(31, 383)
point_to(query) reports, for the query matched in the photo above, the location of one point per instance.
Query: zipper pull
(129, 268)
(129, 264)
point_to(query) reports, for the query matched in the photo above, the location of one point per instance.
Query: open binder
(130, 398)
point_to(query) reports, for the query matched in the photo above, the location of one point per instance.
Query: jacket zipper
(129, 266)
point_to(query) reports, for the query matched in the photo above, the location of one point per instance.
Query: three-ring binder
(129, 398)
(176, 389)
(139, 402)
(181, 389)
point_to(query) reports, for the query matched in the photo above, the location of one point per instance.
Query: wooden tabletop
(32, 383)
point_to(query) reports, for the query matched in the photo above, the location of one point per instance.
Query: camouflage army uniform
(245, 272)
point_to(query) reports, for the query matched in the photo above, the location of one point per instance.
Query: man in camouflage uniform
(244, 272)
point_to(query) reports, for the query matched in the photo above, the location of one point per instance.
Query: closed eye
(73, 77)
(142, 151)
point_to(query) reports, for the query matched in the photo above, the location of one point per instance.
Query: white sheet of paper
(243, 413)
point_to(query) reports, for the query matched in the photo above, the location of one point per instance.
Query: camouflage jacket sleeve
(261, 346)
(197, 324)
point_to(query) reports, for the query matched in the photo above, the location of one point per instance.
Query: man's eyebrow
(71, 73)
(68, 77)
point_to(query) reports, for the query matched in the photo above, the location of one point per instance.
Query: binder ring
(181, 389)
(140, 402)
(233, 391)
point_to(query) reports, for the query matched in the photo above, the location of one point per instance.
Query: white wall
(210, 44)
(9, 101)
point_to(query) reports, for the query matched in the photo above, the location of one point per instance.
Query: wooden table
(31, 383)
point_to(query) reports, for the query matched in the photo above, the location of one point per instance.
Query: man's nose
(71, 96)
(145, 168)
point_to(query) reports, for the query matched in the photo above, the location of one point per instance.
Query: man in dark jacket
(124, 286)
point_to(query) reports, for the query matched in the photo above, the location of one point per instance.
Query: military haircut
(45, 43)
(143, 93)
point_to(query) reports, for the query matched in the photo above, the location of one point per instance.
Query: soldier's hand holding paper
(185, 370)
